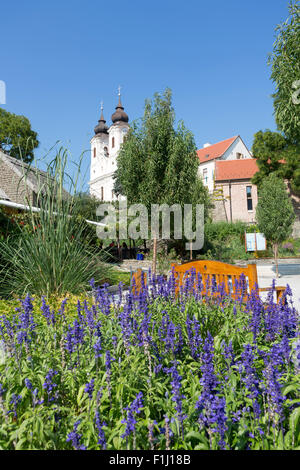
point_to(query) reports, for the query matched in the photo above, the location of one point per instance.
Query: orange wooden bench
(220, 272)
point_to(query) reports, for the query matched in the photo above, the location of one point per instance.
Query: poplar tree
(274, 213)
(158, 164)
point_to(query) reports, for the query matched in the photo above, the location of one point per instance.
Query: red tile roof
(235, 169)
(215, 150)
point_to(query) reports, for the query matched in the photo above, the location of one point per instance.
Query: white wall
(210, 167)
(238, 146)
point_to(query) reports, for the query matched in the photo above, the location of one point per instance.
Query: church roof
(119, 115)
(101, 127)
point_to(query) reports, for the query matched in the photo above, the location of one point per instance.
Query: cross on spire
(119, 90)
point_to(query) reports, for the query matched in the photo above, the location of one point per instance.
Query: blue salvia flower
(194, 337)
(125, 319)
(132, 410)
(74, 437)
(89, 317)
(250, 378)
(108, 361)
(218, 419)
(28, 384)
(50, 386)
(26, 321)
(15, 400)
(101, 435)
(89, 388)
(61, 311)
(75, 336)
(255, 307)
(2, 390)
(275, 398)
(47, 313)
(296, 355)
(210, 406)
(97, 348)
(177, 397)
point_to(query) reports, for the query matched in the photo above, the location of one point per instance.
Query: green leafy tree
(285, 64)
(274, 213)
(17, 139)
(276, 154)
(157, 163)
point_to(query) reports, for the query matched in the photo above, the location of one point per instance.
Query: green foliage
(274, 212)
(17, 139)
(51, 255)
(224, 241)
(285, 64)
(158, 164)
(275, 154)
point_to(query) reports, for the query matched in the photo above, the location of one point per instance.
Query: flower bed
(155, 372)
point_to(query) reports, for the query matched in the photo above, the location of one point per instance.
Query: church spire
(119, 115)
(101, 127)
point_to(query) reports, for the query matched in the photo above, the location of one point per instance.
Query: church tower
(105, 146)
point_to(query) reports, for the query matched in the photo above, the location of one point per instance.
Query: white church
(105, 146)
(107, 141)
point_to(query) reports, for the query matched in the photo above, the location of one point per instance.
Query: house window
(102, 193)
(205, 177)
(112, 142)
(249, 198)
(238, 155)
(94, 152)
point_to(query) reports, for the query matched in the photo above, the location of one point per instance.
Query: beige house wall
(234, 204)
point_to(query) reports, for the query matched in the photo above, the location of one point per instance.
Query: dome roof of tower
(101, 127)
(119, 114)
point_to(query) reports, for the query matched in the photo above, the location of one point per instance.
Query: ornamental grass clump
(50, 255)
(156, 371)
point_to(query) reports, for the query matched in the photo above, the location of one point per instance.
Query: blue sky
(59, 59)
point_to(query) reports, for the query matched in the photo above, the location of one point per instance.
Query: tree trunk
(276, 258)
(154, 255)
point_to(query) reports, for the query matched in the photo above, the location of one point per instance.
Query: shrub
(51, 256)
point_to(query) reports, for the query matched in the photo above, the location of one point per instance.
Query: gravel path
(289, 274)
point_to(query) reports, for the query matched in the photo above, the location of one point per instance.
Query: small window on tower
(94, 152)
(112, 142)
(102, 193)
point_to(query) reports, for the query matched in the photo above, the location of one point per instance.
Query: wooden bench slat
(221, 272)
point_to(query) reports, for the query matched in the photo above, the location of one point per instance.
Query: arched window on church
(112, 142)
(94, 152)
